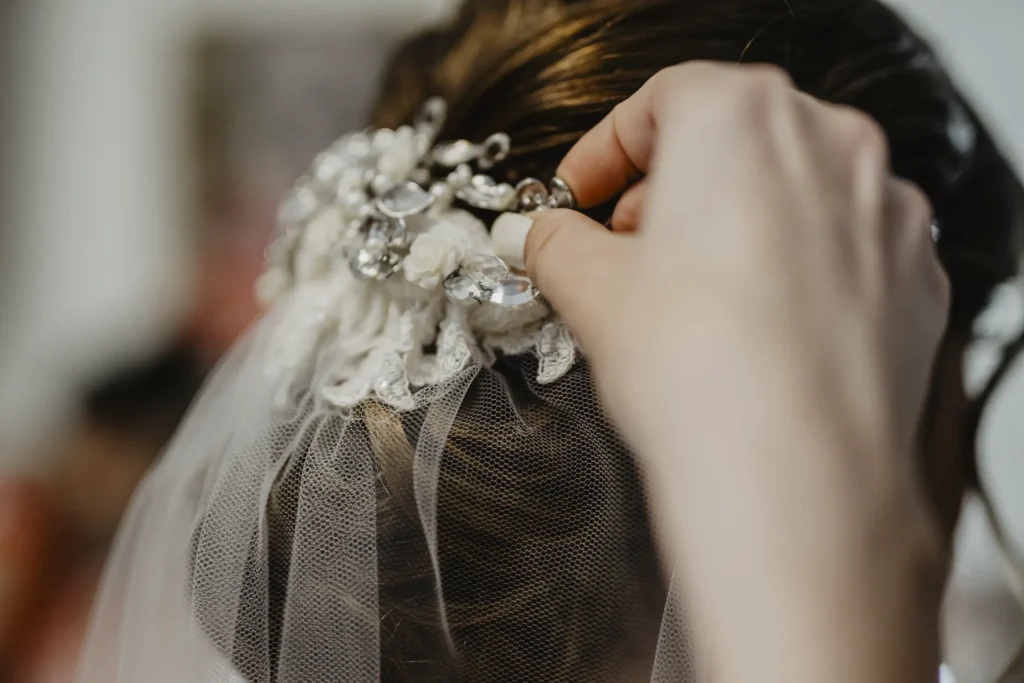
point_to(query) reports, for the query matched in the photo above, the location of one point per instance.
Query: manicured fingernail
(509, 235)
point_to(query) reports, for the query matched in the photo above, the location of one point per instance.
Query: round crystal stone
(514, 291)
(532, 195)
(404, 199)
(487, 270)
(463, 290)
(378, 231)
(451, 154)
(374, 264)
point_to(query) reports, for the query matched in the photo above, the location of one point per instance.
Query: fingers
(909, 216)
(629, 211)
(575, 263)
(618, 151)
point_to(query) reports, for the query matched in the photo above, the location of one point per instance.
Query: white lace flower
(436, 254)
(432, 258)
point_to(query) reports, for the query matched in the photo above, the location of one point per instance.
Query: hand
(762, 323)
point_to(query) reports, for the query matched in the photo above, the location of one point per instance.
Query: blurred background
(143, 148)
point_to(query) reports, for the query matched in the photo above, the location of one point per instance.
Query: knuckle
(866, 137)
(916, 209)
(770, 77)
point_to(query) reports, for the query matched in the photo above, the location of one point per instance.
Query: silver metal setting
(486, 279)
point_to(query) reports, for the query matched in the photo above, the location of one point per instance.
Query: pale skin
(762, 322)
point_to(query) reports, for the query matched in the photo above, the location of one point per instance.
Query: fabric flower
(437, 253)
(433, 257)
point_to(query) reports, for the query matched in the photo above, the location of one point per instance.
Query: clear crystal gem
(451, 154)
(485, 193)
(373, 263)
(514, 291)
(390, 233)
(404, 199)
(464, 290)
(532, 195)
(488, 270)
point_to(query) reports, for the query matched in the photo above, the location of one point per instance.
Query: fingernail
(509, 236)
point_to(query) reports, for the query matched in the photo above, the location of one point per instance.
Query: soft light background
(94, 255)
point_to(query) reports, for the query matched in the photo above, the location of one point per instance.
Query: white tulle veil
(402, 473)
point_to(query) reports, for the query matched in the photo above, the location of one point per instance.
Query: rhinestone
(514, 291)
(373, 264)
(392, 234)
(561, 195)
(936, 232)
(452, 154)
(298, 206)
(495, 150)
(488, 270)
(405, 199)
(463, 290)
(485, 193)
(532, 195)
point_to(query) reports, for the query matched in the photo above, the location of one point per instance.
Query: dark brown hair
(531, 470)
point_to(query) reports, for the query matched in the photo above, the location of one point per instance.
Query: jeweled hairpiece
(385, 183)
(385, 269)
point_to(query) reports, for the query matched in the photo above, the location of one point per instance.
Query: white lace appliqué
(362, 339)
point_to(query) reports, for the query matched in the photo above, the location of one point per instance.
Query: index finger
(618, 150)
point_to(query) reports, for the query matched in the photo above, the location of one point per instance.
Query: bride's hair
(533, 479)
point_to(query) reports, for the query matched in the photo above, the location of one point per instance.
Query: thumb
(573, 261)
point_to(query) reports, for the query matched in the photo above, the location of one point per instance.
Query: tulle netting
(495, 531)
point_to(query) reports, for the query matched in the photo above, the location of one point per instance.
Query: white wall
(99, 248)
